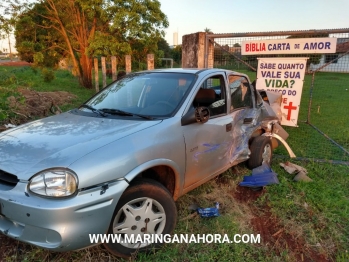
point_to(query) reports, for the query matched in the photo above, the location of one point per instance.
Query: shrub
(5, 93)
(48, 74)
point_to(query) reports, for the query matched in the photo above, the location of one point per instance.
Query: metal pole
(310, 97)
(278, 33)
(336, 162)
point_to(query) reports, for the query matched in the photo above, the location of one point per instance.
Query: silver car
(118, 162)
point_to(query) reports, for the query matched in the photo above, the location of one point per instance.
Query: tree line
(47, 31)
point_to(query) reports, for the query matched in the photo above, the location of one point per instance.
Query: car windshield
(148, 94)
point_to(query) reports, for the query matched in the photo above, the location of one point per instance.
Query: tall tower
(175, 38)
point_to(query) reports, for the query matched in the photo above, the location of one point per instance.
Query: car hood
(59, 141)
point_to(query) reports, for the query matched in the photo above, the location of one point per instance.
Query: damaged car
(117, 164)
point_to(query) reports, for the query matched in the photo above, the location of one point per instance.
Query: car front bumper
(58, 224)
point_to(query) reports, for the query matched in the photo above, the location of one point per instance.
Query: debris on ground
(299, 172)
(32, 104)
(6, 126)
(10, 126)
(209, 212)
(193, 207)
(261, 176)
(301, 176)
(293, 168)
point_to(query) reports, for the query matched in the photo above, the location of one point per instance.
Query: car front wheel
(261, 152)
(145, 209)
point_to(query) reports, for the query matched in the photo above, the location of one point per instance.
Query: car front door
(207, 144)
(223, 139)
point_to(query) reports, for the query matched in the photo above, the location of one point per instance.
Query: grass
(315, 216)
(329, 101)
(318, 211)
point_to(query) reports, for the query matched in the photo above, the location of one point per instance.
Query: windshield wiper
(94, 110)
(123, 113)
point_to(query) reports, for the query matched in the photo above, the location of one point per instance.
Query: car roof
(194, 70)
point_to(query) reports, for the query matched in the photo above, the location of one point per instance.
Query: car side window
(240, 91)
(212, 95)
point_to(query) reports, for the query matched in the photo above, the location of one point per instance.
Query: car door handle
(248, 120)
(228, 127)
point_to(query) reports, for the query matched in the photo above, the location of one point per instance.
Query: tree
(91, 28)
(208, 31)
(164, 51)
(140, 48)
(164, 46)
(37, 43)
(10, 12)
(7, 28)
(177, 54)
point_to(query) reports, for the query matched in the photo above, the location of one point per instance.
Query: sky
(242, 16)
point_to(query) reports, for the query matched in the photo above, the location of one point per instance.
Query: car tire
(132, 216)
(261, 152)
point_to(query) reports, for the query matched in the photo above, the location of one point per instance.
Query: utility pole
(9, 46)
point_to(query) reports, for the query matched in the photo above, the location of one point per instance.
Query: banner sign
(284, 75)
(325, 45)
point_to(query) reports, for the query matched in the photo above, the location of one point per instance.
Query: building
(175, 38)
(340, 60)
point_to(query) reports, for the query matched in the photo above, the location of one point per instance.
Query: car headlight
(54, 183)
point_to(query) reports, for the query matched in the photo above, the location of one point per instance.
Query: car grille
(8, 179)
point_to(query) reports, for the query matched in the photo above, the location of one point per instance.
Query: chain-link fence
(323, 122)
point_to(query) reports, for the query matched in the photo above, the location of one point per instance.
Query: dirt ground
(14, 63)
(272, 233)
(8, 247)
(36, 105)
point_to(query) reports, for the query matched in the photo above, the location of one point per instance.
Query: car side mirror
(195, 115)
(202, 114)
